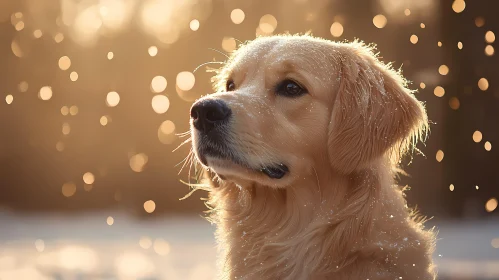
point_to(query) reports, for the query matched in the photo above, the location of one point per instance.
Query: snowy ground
(84, 247)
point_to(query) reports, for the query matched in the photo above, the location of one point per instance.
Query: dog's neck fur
(312, 231)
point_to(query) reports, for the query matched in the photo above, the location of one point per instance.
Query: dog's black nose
(208, 113)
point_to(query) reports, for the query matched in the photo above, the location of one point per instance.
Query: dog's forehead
(272, 51)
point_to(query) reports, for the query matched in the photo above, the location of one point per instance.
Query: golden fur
(338, 213)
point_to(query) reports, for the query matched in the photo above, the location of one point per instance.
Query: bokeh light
(379, 21)
(160, 104)
(439, 91)
(158, 84)
(451, 187)
(45, 93)
(73, 76)
(88, 178)
(237, 16)
(152, 50)
(185, 80)
(59, 37)
(228, 44)
(489, 50)
(145, 242)
(103, 120)
(64, 63)
(443, 70)
(110, 55)
(477, 136)
(23, 86)
(68, 189)
(439, 44)
(336, 29)
(37, 33)
(483, 84)
(422, 85)
(138, 162)
(422, 25)
(112, 99)
(490, 37)
(440, 155)
(460, 45)
(488, 146)
(73, 110)
(454, 103)
(414, 39)
(9, 99)
(66, 128)
(268, 23)
(458, 6)
(194, 25)
(161, 247)
(149, 206)
(479, 21)
(491, 204)
(110, 221)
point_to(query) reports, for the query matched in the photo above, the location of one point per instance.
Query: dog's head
(288, 104)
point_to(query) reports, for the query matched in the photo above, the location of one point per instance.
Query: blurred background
(94, 92)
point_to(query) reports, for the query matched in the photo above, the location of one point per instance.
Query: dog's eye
(290, 88)
(230, 86)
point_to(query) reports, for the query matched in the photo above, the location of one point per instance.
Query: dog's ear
(374, 114)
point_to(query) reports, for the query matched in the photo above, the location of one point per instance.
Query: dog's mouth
(209, 155)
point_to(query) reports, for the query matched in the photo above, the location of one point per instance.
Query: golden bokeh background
(95, 96)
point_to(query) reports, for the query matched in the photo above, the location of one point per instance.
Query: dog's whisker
(220, 52)
(206, 63)
(183, 143)
(188, 132)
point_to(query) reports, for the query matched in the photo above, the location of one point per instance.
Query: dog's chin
(275, 175)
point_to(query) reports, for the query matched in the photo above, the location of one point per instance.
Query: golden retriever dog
(302, 141)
